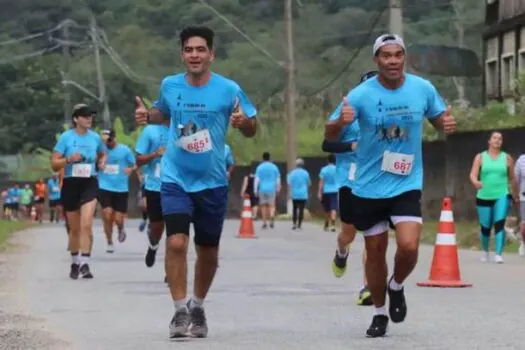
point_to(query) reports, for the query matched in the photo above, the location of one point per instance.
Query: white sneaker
(498, 259)
(522, 249)
(110, 249)
(484, 256)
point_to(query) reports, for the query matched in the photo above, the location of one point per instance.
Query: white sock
(196, 302)
(179, 304)
(153, 247)
(83, 259)
(380, 310)
(75, 259)
(342, 254)
(394, 285)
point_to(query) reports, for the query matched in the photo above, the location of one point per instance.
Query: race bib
(200, 142)
(111, 169)
(82, 170)
(157, 170)
(397, 163)
(351, 172)
(55, 189)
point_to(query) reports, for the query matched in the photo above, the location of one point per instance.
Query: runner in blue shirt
(200, 105)
(344, 147)
(327, 193)
(81, 153)
(267, 188)
(390, 109)
(114, 187)
(150, 149)
(299, 182)
(53, 187)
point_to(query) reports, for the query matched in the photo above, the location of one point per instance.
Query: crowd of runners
(373, 178)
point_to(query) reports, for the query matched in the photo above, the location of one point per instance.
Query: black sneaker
(150, 257)
(199, 326)
(294, 227)
(378, 326)
(179, 324)
(272, 224)
(74, 272)
(397, 307)
(85, 272)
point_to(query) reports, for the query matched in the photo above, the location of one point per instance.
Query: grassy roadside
(467, 235)
(9, 227)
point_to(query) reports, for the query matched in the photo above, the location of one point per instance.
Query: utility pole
(396, 17)
(291, 150)
(65, 73)
(100, 76)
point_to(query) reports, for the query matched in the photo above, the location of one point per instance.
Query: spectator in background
(26, 200)
(248, 188)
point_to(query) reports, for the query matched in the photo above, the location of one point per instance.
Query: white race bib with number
(351, 172)
(200, 142)
(55, 189)
(157, 170)
(111, 169)
(397, 163)
(82, 170)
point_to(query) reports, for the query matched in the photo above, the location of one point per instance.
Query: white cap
(299, 162)
(388, 39)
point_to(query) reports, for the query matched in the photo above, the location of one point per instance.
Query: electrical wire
(352, 58)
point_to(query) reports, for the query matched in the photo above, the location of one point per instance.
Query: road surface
(275, 292)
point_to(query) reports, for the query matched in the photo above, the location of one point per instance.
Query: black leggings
(298, 211)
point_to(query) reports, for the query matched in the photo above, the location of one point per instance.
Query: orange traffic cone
(246, 229)
(445, 263)
(33, 213)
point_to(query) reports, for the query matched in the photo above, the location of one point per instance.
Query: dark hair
(331, 158)
(495, 132)
(202, 32)
(266, 156)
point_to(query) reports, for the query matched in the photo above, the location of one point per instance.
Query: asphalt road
(275, 292)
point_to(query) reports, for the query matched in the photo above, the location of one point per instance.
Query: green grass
(9, 227)
(467, 235)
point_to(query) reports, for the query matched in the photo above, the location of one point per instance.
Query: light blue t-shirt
(268, 176)
(345, 162)
(389, 153)
(113, 178)
(299, 181)
(88, 145)
(13, 195)
(200, 117)
(228, 156)
(150, 140)
(53, 186)
(328, 174)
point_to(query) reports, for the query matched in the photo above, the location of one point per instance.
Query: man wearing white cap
(390, 109)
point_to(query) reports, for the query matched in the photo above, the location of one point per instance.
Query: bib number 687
(402, 166)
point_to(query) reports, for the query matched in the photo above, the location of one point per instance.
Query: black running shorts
(118, 201)
(78, 191)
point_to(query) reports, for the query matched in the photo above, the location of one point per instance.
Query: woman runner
(492, 174)
(81, 153)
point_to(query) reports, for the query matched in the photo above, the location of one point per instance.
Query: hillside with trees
(138, 46)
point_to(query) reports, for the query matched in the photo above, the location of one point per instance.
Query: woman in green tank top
(492, 175)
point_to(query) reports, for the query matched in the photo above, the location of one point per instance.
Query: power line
(354, 56)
